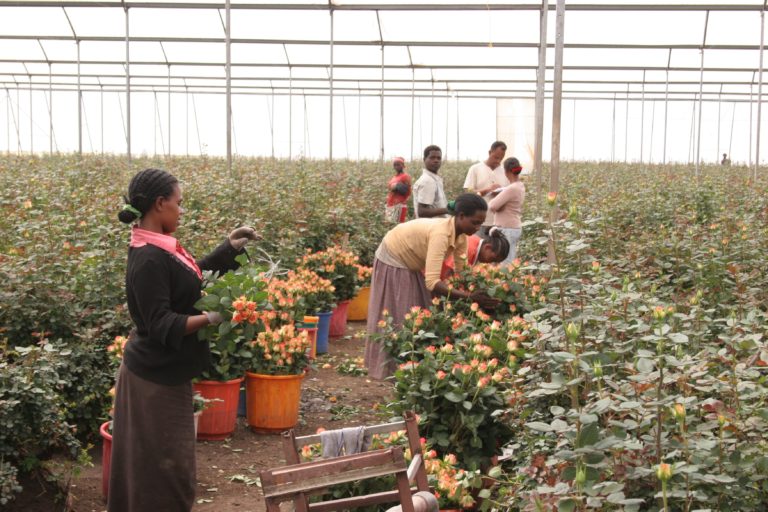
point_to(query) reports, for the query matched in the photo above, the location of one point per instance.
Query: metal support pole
(642, 119)
(626, 126)
(31, 120)
(169, 111)
(573, 135)
(330, 88)
(666, 109)
(730, 141)
(381, 117)
(359, 111)
(539, 102)
(613, 130)
(750, 121)
(692, 132)
(653, 122)
(17, 120)
(346, 134)
(701, 96)
(290, 103)
(557, 97)
(50, 110)
(101, 116)
(197, 126)
(156, 119)
(458, 127)
(759, 92)
(127, 83)
(413, 109)
(432, 111)
(186, 118)
(79, 106)
(228, 69)
(447, 106)
(719, 108)
(8, 120)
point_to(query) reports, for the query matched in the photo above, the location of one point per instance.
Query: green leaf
(208, 303)
(566, 505)
(540, 426)
(495, 472)
(588, 436)
(645, 365)
(454, 397)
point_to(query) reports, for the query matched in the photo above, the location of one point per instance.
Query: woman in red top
(490, 249)
(399, 190)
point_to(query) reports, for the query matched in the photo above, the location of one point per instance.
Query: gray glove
(240, 236)
(214, 318)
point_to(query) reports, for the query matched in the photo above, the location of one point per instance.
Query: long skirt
(397, 290)
(153, 447)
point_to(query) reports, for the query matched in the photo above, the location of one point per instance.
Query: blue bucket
(323, 330)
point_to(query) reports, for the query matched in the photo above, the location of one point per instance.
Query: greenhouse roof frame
(435, 75)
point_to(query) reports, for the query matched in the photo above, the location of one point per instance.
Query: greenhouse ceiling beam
(373, 91)
(384, 7)
(391, 80)
(308, 65)
(375, 84)
(416, 44)
(354, 92)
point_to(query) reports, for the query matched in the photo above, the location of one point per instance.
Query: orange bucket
(358, 308)
(219, 418)
(272, 401)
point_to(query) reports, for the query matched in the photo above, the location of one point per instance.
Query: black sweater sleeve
(151, 285)
(221, 259)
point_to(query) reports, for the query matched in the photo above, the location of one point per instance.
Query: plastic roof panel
(283, 24)
(174, 23)
(34, 21)
(626, 27)
(91, 21)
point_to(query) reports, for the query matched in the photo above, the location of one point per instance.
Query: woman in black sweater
(153, 451)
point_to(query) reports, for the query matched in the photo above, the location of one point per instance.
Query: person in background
(428, 192)
(491, 248)
(153, 432)
(399, 190)
(406, 271)
(484, 178)
(726, 161)
(507, 207)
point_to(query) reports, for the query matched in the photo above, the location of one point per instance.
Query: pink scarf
(141, 237)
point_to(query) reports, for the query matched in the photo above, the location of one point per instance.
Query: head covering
(141, 237)
(398, 159)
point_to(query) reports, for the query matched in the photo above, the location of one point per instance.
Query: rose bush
(339, 266)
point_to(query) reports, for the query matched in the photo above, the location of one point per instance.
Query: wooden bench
(298, 480)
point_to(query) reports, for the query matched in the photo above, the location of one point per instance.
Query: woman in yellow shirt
(406, 270)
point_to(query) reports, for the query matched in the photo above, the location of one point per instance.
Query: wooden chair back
(297, 481)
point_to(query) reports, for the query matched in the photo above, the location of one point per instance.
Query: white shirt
(429, 190)
(481, 176)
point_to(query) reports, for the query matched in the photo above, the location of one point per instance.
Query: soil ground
(329, 399)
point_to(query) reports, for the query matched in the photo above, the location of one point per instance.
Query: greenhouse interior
(361, 331)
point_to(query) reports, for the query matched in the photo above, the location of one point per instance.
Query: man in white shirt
(485, 177)
(428, 192)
